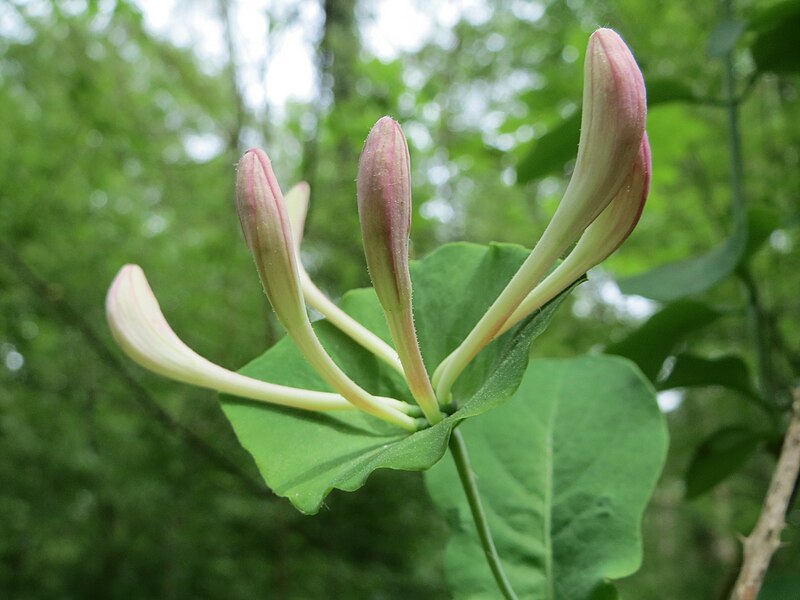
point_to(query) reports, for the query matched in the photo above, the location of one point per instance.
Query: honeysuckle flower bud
(612, 126)
(384, 206)
(142, 332)
(267, 231)
(297, 208)
(601, 239)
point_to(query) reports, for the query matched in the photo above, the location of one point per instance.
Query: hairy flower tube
(140, 329)
(267, 231)
(297, 207)
(384, 207)
(612, 126)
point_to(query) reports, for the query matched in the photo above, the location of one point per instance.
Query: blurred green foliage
(103, 496)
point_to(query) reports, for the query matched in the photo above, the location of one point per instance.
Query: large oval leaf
(304, 455)
(565, 469)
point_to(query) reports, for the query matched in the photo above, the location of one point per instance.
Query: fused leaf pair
(601, 205)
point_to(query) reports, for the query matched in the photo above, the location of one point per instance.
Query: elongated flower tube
(297, 207)
(384, 206)
(600, 240)
(266, 228)
(142, 332)
(612, 126)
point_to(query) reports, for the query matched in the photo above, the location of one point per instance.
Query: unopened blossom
(601, 239)
(612, 127)
(384, 206)
(267, 231)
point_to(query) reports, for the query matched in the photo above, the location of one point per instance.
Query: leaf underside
(565, 469)
(304, 455)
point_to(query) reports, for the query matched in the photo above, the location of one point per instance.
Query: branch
(73, 318)
(765, 538)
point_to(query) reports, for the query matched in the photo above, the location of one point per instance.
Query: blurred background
(122, 121)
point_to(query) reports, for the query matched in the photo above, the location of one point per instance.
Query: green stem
(755, 311)
(459, 451)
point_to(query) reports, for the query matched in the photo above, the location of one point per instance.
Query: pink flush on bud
(267, 231)
(384, 207)
(612, 123)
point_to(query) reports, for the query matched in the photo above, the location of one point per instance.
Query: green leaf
(653, 342)
(565, 469)
(695, 371)
(774, 46)
(720, 455)
(691, 276)
(304, 455)
(724, 36)
(696, 275)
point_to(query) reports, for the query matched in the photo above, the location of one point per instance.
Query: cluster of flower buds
(600, 208)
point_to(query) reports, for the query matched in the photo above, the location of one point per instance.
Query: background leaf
(651, 344)
(565, 469)
(690, 370)
(721, 454)
(691, 276)
(774, 46)
(724, 36)
(304, 455)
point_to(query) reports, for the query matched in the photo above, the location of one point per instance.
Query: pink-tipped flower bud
(612, 126)
(384, 206)
(267, 231)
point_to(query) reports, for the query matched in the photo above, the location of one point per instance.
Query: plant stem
(765, 538)
(755, 311)
(459, 451)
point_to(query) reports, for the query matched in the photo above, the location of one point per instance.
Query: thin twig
(765, 538)
(72, 317)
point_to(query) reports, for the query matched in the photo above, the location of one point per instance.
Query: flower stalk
(297, 206)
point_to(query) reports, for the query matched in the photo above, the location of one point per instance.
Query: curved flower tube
(612, 126)
(297, 207)
(266, 228)
(600, 240)
(142, 332)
